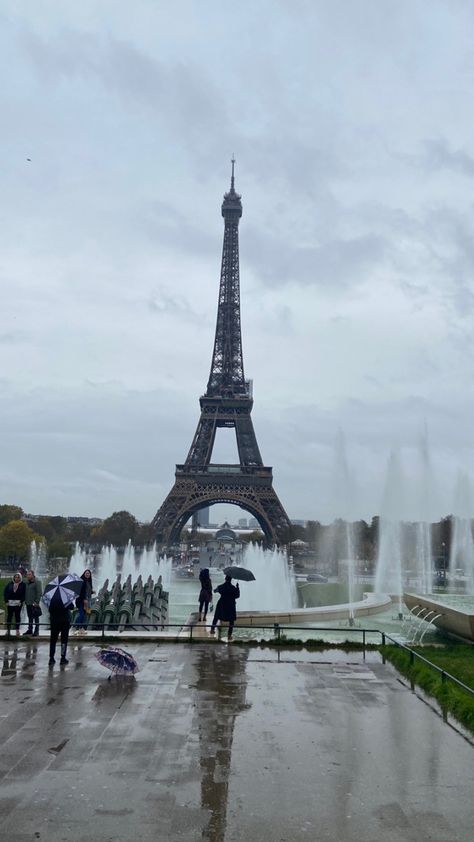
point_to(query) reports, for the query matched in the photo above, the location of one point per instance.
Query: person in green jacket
(33, 593)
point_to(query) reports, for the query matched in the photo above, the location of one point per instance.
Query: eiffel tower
(227, 403)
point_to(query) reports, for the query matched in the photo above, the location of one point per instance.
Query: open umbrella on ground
(117, 661)
(239, 573)
(64, 588)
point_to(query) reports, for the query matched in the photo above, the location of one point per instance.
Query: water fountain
(107, 566)
(461, 557)
(426, 506)
(341, 533)
(274, 588)
(80, 560)
(38, 559)
(388, 577)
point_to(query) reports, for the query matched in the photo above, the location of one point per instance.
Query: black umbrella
(64, 588)
(239, 573)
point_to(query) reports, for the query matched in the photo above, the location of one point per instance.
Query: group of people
(18, 593)
(29, 592)
(225, 610)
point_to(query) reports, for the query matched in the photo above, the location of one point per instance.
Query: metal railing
(415, 656)
(279, 631)
(187, 631)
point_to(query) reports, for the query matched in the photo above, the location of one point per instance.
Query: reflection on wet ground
(219, 698)
(224, 743)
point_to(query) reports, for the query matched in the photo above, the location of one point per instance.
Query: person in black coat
(14, 597)
(225, 608)
(205, 594)
(60, 623)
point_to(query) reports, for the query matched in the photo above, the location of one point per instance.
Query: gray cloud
(333, 264)
(439, 155)
(179, 93)
(356, 249)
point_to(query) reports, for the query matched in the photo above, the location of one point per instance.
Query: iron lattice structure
(228, 402)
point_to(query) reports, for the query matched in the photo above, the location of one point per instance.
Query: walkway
(224, 743)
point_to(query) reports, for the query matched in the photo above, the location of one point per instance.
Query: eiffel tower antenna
(227, 402)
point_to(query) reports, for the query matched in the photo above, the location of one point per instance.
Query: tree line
(324, 543)
(59, 535)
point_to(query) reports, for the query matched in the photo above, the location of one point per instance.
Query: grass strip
(451, 698)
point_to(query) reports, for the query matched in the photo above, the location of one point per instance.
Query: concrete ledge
(454, 620)
(371, 604)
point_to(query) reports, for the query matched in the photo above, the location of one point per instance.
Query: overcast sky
(352, 125)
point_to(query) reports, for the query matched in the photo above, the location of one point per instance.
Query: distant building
(92, 521)
(299, 522)
(203, 516)
(253, 523)
(243, 522)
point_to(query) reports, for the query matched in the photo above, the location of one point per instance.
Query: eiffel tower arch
(228, 402)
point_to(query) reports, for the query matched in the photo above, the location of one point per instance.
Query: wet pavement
(222, 743)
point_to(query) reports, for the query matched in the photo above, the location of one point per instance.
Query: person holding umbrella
(225, 609)
(60, 623)
(59, 596)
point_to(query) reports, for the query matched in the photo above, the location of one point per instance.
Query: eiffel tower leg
(249, 453)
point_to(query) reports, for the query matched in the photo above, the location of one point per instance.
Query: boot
(8, 635)
(63, 660)
(204, 618)
(36, 631)
(27, 632)
(199, 618)
(18, 632)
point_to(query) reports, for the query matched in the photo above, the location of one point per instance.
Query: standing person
(60, 623)
(225, 608)
(33, 592)
(14, 597)
(205, 595)
(83, 602)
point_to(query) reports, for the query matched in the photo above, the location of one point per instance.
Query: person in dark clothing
(14, 597)
(33, 592)
(83, 602)
(205, 595)
(225, 608)
(60, 623)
